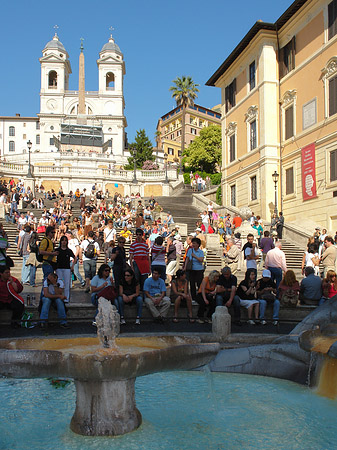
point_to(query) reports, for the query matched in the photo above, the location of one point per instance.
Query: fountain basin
(104, 377)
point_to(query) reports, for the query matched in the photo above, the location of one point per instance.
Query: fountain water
(104, 369)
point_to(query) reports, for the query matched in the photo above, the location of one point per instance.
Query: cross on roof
(55, 28)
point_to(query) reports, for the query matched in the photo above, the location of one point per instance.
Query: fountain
(104, 369)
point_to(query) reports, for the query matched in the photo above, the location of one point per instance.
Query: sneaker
(94, 324)
(64, 325)
(208, 320)
(275, 322)
(263, 322)
(200, 320)
(137, 321)
(65, 300)
(122, 322)
(82, 285)
(251, 322)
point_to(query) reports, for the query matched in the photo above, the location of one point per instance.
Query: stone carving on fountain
(104, 369)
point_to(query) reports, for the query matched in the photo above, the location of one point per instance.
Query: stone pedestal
(30, 183)
(213, 241)
(221, 323)
(105, 408)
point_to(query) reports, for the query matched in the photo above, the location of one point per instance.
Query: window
(179, 153)
(37, 125)
(52, 79)
(333, 96)
(287, 58)
(51, 141)
(230, 95)
(253, 188)
(178, 133)
(332, 19)
(252, 76)
(193, 131)
(172, 136)
(110, 81)
(289, 122)
(290, 181)
(252, 135)
(24, 124)
(37, 139)
(233, 195)
(333, 165)
(170, 151)
(11, 146)
(11, 131)
(232, 148)
(24, 136)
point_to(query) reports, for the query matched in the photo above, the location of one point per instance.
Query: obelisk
(81, 116)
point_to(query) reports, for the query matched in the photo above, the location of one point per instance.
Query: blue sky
(159, 40)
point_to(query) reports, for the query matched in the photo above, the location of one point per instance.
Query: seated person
(155, 298)
(10, 288)
(179, 294)
(247, 293)
(129, 292)
(310, 288)
(289, 289)
(329, 286)
(53, 291)
(102, 284)
(266, 293)
(225, 293)
(206, 297)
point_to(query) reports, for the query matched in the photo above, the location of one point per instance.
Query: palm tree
(184, 92)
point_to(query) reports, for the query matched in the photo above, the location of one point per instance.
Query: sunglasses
(106, 270)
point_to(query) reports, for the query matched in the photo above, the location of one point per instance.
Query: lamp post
(166, 158)
(275, 178)
(134, 152)
(29, 174)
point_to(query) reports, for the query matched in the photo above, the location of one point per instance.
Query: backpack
(39, 257)
(90, 251)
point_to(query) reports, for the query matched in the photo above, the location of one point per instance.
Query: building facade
(169, 128)
(98, 130)
(279, 113)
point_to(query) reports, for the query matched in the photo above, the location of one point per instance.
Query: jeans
(25, 271)
(14, 207)
(276, 275)
(119, 303)
(276, 308)
(32, 274)
(77, 272)
(203, 307)
(46, 269)
(220, 299)
(89, 266)
(61, 312)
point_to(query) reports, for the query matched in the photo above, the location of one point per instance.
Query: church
(73, 128)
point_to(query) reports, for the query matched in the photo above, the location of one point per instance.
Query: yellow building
(169, 128)
(279, 113)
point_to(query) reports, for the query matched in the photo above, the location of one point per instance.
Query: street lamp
(166, 158)
(275, 178)
(134, 152)
(29, 174)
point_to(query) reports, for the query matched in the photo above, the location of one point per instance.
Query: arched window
(12, 131)
(73, 110)
(110, 81)
(52, 79)
(11, 146)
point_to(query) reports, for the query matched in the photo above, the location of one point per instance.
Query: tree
(144, 150)
(184, 93)
(205, 151)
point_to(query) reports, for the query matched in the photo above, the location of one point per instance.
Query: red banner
(308, 172)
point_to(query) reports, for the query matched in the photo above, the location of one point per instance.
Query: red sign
(308, 172)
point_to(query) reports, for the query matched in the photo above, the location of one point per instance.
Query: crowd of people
(159, 268)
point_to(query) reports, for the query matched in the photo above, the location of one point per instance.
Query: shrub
(150, 165)
(219, 196)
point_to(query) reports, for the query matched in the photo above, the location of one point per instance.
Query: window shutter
(281, 64)
(333, 164)
(332, 19)
(289, 116)
(234, 92)
(226, 98)
(332, 96)
(290, 181)
(293, 52)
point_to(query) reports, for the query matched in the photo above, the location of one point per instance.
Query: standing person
(109, 236)
(276, 263)
(89, 252)
(266, 244)
(329, 255)
(32, 262)
(195, 267)
(251, 253)
(210, 212)
(46, 250)
(179, 249)
(171, 255)
(82, 198)
(231, 256)
(311, 258)
(117, 255)
(129, 293)
(10, 289)
(155, 297)
(279, 225)
(158, 252)
(24, 251)
(321, 241)
(237, 221)
(140, 258)
(74, 245)
(64, 266)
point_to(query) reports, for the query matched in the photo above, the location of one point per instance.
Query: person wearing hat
(266, 293)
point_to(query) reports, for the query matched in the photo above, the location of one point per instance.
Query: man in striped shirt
(140, 258)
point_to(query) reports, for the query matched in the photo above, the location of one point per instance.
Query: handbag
(189, 264)
(41, 229)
